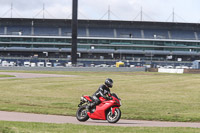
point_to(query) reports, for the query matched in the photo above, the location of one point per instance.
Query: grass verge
(23, 127)
(145, 96)
(3, 76)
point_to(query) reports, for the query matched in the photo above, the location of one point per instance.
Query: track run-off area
(29, 117)
(31, 75)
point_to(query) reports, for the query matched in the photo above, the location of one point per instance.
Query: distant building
(196, 64)
(100, 40)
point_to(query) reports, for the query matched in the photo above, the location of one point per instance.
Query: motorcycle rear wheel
(81, 114)
(115, 117)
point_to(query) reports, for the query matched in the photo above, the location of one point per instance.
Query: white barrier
(165, 70)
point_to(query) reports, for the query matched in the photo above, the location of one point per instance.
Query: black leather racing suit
(102, 91)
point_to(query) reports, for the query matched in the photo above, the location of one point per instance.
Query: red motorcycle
(106, 110)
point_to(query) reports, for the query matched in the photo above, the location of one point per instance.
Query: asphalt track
(28, 117)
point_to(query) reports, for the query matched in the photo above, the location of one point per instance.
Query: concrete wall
(94, 69)
(152, 70)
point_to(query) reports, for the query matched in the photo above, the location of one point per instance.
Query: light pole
(74, 32)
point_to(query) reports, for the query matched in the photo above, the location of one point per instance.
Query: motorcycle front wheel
(81, 114)
(113, 118)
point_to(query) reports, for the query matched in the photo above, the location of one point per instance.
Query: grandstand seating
(66, 31)
(101, 32)
(1, 30)
(128, 33)
(156, 34)
(124, 39)
(18, 30)
(82, 32)
(198, 35)
(182, 34)
(46, 31)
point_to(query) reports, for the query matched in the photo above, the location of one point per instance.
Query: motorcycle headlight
(83, 99)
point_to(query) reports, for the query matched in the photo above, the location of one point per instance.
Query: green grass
(3, 76)
(145, 96)
(22, 127)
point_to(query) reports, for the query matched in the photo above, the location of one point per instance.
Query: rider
(102, 91)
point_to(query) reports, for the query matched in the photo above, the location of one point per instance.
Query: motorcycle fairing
(88, 98)
(101, 110)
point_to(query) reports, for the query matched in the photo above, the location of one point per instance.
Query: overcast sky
(153, 10)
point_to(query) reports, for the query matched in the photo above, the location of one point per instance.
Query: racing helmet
(109, 82)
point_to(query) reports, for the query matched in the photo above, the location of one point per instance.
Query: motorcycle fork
(113, 110)
(81, 102)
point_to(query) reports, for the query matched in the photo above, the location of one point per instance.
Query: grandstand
(100, 41)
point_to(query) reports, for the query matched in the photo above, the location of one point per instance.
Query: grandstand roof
(101, 23)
